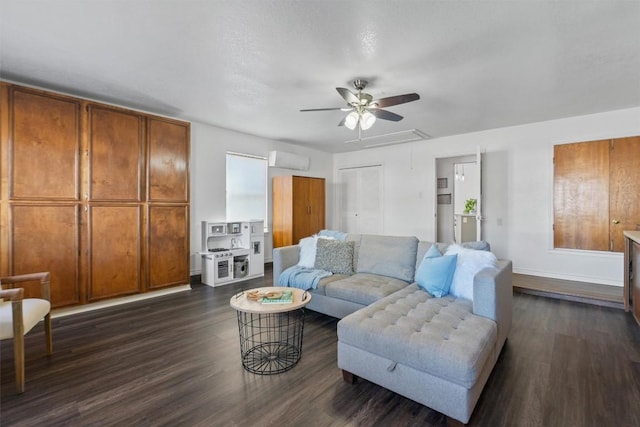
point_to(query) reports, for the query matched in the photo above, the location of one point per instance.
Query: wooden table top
(240, 302)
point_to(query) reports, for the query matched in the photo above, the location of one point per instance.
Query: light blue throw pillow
(435, 273)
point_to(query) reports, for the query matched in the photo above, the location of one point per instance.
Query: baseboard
(573, 278)
(566, 297)
(67, 311)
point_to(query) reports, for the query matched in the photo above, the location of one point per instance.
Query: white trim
(67, 311)
(585, 252)
(251, 156)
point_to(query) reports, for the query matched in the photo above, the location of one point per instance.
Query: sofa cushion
(391, 256)
(363, 288)
(322, 284)
(335, 256)
(439, 336)
(436, 272)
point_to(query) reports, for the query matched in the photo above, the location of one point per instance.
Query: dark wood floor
(174, 361)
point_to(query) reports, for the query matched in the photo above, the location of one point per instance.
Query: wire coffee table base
(270, 343)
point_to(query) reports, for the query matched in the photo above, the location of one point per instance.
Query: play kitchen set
(232, 251)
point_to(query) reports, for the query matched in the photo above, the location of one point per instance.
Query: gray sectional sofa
(436, 351)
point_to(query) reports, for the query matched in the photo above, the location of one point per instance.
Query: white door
(361, 200)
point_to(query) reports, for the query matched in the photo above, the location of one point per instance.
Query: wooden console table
(632, 273)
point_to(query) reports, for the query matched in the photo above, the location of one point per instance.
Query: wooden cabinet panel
(168, 247)
(44, 145)
(581, 205)
(298, 208)
(301, 222)
(115, 246)
(624, 189)
(168, 161)
(115, 153)
(596, 193)
(45, 238)
(316, 200)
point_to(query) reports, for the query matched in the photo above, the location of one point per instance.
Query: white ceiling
(250, 65)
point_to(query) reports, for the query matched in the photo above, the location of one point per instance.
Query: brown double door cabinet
(298, 208)
(95, 194)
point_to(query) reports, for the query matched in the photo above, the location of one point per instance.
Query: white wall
(209, 146)
(517, 190)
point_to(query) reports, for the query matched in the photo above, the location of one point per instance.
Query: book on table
(286, 298)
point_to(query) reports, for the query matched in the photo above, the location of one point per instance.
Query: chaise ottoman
(432, 350)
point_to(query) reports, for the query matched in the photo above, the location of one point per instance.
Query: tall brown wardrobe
(298, 208)
(98, 195)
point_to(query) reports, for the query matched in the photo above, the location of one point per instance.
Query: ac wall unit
(284, 160)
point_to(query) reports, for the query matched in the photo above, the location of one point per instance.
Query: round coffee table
(270, 334)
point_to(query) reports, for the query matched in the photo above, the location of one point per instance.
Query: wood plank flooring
(175, 361)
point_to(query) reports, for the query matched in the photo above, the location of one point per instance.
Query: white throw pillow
(470, 262)
(308, 251)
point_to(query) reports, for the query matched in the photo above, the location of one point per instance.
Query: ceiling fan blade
(385, 115)
(395, 100)
(348, 95)
(322, 109)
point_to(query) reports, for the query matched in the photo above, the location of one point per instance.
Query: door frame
(479, 217)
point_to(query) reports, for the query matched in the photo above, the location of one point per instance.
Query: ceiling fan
(364, 109)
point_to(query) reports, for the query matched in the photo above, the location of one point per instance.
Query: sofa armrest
(283, 258)
(493, 297)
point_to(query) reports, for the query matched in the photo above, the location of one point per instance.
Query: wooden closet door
(301, 209)
(115, 140)
(44, 144)
(316, 199)
(581, 202)
(624, 189)
(282, 211)
(45, 237)
(115, 251)
(42, 170)
(168, 245)
(168, 159)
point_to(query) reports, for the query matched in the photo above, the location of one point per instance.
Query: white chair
(19, 315)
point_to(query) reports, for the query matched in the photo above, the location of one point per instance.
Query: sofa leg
(451, 422)
(348, 377)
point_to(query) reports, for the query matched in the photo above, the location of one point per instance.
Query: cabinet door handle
(615, 221)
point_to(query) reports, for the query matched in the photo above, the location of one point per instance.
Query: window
(246, 187)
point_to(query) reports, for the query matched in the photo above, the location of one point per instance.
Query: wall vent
(401, 137)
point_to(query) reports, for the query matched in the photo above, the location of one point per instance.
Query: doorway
(458, 184)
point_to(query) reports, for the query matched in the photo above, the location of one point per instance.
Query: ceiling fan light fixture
(367, 120)
(351, 121)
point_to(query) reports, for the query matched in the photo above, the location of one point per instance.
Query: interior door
(361, 200)
(624, 189)
(349, 200)
(580, 196)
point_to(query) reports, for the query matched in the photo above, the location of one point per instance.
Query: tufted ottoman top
(440, 336)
